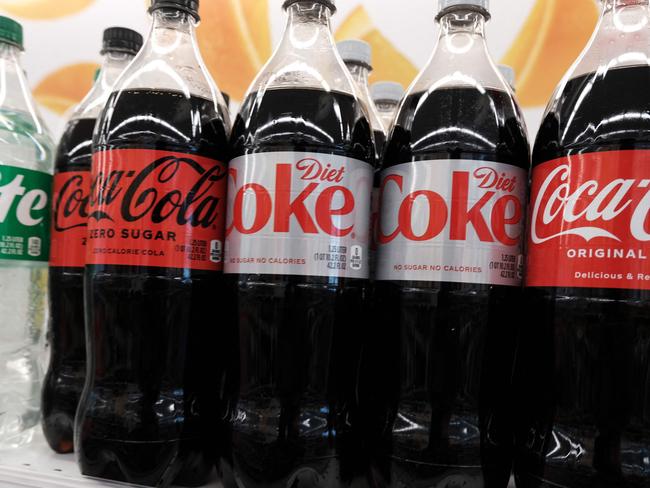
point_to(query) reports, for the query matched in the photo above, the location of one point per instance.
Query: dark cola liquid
(157, 343)
(300, 337)
(65, 377)
(584, 367)
(435, 382)
(380, 143)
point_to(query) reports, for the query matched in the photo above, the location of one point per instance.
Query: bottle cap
(328, 3)
(355, 51)
(122, 40)
(11, 32)
(387, 91)
(508, 73)
(447, 6)
(189, 6)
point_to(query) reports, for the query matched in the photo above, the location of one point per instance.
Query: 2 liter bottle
(67, 337)
(156, 219)
(583, 372)
(297, 260)
(26, 160)
(436, 381)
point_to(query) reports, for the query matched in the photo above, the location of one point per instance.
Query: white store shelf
(37, 466)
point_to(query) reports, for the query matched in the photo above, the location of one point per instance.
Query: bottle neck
(359, 74)
(170, 59)
(462, 22)
(15, 94)
(112, 67)
(173, 33)
(309, 26)
(461, 56)
(611, 5)
(621, 39)
(462, 45)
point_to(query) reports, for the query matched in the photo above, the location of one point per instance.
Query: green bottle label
(24, 214)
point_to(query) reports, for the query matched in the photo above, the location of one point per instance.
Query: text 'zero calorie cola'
(583, 374)
(65, 378)
(297, 259)
(452, 197)
(26, 160)
(154, 266)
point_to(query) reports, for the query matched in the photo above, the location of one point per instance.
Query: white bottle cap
(446, 6)
(354, 51)
(508, 73)
(387, 91)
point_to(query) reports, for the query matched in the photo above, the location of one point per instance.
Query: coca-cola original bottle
(297, 260)
(154, 291)
(435, 385)
(67, 336)
(583, 374)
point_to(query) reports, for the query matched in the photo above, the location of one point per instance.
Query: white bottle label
(452, 220)
(294, 213)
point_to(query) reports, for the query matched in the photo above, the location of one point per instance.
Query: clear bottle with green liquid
(26, 165)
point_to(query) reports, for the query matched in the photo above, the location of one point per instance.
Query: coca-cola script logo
(157, 208)
(323, 204)
(72, 200)
(569, 204)
(589, 221)
(485, 200)
(152, 193)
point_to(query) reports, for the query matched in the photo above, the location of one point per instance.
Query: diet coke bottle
(67, 336)
(297, 259)
(154, 279)
(435, 386)
(583, 374)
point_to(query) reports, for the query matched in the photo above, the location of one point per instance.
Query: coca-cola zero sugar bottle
(67, 336)
(583, 373)
(297, 260)
(437, 369)
(154, 290)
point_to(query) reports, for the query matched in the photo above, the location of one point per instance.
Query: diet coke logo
(310, 192)
(485, 200)
(573, 204)
(71, 206)
(172, 189)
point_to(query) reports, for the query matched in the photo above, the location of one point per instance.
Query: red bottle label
(157, 208)
(589, 225)
(70, 219)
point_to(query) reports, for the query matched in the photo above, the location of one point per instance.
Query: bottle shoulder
(162, 119)
(599, 111)
(75, 148)
(305, 120)
(25, 142)
(459, 123)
